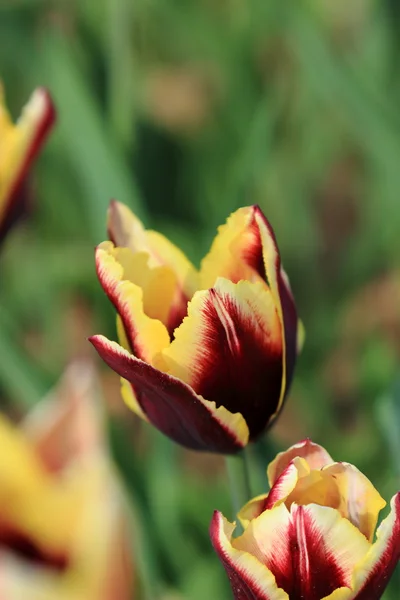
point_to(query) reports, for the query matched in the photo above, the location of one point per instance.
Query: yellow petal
(130, 399)
(342, 593)
(126, 230)
(252, 509)
(157, 283)
(360, 502)
(147, 336)
(171, 256)
(282, 488)
(232, 251)
(373, 572)
(301, 336)
(28, 492)
(280, 290)
(315, 455)
(245, 571)
(18, 141)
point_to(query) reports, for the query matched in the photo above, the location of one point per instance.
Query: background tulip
(206, 356)
(19, 146)
(312, 536)
(64, 525)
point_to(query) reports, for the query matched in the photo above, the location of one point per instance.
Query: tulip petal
(19, 146)
(28, 492)
(236, 252)
(127, 231)
(315, 455)
(283, 298)
(281, 489)
(373, 573)
(246, 249)
(229, 350)
(146, 336)
(249, 578)
(360, 502)
(67, 426)
(173, 407)
(311, 550)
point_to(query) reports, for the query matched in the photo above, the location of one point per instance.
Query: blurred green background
(186, 111)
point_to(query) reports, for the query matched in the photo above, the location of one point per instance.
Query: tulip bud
(19, 146)
(312, 535)
(206, 356)
(64, 520)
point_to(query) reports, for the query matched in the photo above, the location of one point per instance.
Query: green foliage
(185, 111)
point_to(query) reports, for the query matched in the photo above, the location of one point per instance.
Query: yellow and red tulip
(312, 536)
(206, 356)
(19, 146)
(63, 521)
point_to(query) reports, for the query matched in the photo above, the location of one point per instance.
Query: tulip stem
(239, 479)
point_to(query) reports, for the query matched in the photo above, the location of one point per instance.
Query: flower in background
(312, 536)
(63, 522)
(206, 356)
(19, 145)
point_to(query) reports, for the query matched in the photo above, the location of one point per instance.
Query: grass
(186, 111)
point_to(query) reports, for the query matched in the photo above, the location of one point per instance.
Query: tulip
(312, 536)
(206, 356)
(19, 146)
(63, 523)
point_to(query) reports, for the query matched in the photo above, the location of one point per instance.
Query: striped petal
(281, 292)
(373, 573)
(337, 485)
(245, 248)
(127, 231)
(19, 145)
(173, 407)
(311, 550)
(236, 252)
(249, 577)
(315, 455)
(281, 489)
(145, 336)
(229, 350)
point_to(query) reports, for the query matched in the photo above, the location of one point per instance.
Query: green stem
(239, 480)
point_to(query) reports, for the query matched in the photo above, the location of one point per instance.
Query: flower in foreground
(312, 536)
(63, 522)
(206, 356)
(19, 146)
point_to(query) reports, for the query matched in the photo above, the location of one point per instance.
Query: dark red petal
(244, 585)
(302, 559)
(19, 194)
(289, 311)
(25, 548)
(379, 577)
(314, 571)
(169, 404)
(247, 380)
(229, 350)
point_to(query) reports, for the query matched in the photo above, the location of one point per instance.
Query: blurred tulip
(312, 535)
(19, 145)
(207, 356)
(63, 524)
